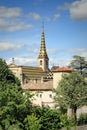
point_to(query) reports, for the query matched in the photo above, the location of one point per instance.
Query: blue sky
(65, 27)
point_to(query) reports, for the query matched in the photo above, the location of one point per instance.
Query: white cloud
(34, 50)
(11, 25)
(66, 6)
(59, 61)
(9, 12)
(56, 16)
(52, 51)
(78, 10)
(9, 21)
(79, 51)
(64, 57)
(48, 19)
(34, 16)
(6, 46)
(23, 61)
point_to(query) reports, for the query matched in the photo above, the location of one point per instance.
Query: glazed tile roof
(32, 72)
(39, 86)
(36, 73)
(43, 53)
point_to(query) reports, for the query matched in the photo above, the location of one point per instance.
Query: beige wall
(17, 71)
(56, 78)
(43, 98)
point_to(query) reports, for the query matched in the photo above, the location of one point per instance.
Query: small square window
(50, 95)
(40, 95)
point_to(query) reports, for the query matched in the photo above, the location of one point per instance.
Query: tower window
(40, 62)
(47, 63)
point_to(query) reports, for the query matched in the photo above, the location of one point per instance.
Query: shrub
(82, 119)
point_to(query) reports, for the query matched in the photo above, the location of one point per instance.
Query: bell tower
(43, 60)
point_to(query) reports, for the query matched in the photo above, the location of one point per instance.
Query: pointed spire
(43, 53)
(43, 60)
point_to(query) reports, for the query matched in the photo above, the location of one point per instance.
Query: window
(36, 80)
(50, 95)
(47, 63)
(40, 95)
(40, 62)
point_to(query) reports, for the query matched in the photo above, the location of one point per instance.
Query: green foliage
(79, 63)
(66, 122)
(50, 119)
(14, 127)
(32, 122)
(14, 106)
(6, 75)
(71, 91)
(82, 119)
(0, 127)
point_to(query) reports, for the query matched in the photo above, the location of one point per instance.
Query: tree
(50, 119)
(32, 122)
(14, 106)
(71, 91)
(79, 63)
(6, 75)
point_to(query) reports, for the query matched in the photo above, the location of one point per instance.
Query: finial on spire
(43, 26)
(12, 60)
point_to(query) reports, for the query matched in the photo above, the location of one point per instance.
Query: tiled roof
(43, 53)
(39, 86)
(62, 69)
(54, 67)
(32, 72)
(49, 75)
(36, 72)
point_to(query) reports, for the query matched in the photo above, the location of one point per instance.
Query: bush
(82, 119)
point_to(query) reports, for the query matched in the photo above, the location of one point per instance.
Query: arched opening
(40, 62)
